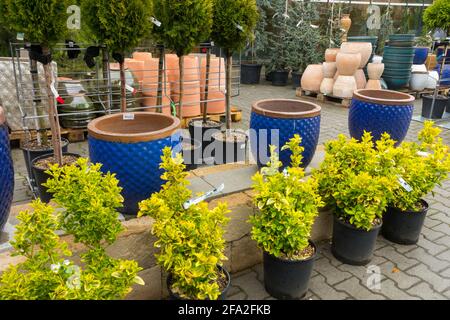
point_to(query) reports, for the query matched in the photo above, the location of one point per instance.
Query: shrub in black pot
(296, 78)
(357, 180)
(282, 227)
(280, 77)
(250, 73)
(193, 256)
(440, 104)
(421, 167)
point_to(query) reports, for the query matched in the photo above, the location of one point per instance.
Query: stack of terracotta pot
(375, 71)
(365, 50)
(329, 70)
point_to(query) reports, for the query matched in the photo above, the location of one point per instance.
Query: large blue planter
(445, 76)
(132, 150)
(420, 55)
(379, 111)
(286, 117)
(6, 173)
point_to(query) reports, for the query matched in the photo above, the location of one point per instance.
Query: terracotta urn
(346, 23)
(360, 78)
(329, 69)
(373, 84)
(191, 97)
(312, 77)
(375, 70)
(363, 48)
(326, 86)
(142, 55)
(344, 87)
(347, 63)
(330, 54)
(137, 67)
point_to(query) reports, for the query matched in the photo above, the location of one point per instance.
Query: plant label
(404, 184)
(20, 36)
(128, 116)
(155, 21)
(423, 154)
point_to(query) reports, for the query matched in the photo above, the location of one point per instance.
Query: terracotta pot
(214, 107)
(312, 77)
(344, 87)
(336, 75)
(149, 103)
(360, 78)
(347, 63)
(330, 54)
(327, 86)
(191, 68)
(151, 69)
(329, 69)
(363, 48)
(137, 67)
(191, 97)
(216, 72)
(346, 23)
(373, 84)
(431, 62)
(143, 56)
(375, 70)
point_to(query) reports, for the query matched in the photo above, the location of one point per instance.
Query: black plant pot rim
(286, 108)
(439, 97)
(253, 65)
(350, 226)
(424, 209)
(175, 295)
(280, 71)
(313, 257)
(49, 156)
(64, 143)
(191, 123)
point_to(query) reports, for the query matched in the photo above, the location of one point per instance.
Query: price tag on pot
(404, 184)
(128, 116)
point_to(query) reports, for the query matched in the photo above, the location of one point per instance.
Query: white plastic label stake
(155, 21)
(20, 36)
(207, 195)
(404, 184)
(128, 116)
(240, 28)
(423, 154)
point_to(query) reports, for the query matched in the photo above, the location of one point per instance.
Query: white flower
(55, 267)
(74, 282)
(66, 262)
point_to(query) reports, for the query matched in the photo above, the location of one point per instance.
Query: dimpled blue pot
(6, 172)
(289, 117)
(132, 150)
(380, 111)
(420, 55)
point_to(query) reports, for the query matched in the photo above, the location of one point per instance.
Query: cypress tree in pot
(234, 22)
(288, 206)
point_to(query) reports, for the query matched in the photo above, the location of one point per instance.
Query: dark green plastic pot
(399, 50)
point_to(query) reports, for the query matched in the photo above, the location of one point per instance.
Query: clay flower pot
(330, 54)
(373, 84)
(344, 86)
(363, 48)
(137, 67)
(6, 172)
(375, 70)
(191, 97)
(287, 117)
(346, 23)
(360, 78)
(380, 111)
(326, 87)
(312, 77)
(347, 63)
(131, 147)
(329, 69)
(143, 56)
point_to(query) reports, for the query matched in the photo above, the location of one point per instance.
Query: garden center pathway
(420, 271)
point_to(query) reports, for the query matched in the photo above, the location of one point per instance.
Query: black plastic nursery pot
(203, 133)
(288, 279)
(30, 154)
(404, 227)
(269, 75)
(351, 245)
(41, 176)
(192, 151)
(223, 295)
(439, 106)
(280, 77)
(296, 79)
(230, 146)
(250, 73)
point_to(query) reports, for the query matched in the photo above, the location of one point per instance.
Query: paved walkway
(420, 271)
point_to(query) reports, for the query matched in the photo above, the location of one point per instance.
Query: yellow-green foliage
(422, 165)
(48, 274)
(287, 205)
(191, 241)
(358, 180)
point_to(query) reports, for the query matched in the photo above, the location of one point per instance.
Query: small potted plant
(287, 207)
(420, 166)
(234, 22)
(190, 238)
(91, 217)
(357, 181)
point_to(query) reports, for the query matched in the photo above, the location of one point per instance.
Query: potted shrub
(357, 181)
(234, 22)
(190, 239)
(251, 70)
(437, 16)
(6, 172)
(128, 144)
(287, 206)
(91, 217)
(422, 166)
(43, 23)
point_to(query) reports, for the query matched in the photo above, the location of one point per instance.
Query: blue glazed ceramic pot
(6, 172)
(420, 55)
(380, 111)
(276, 121)
(132, 150)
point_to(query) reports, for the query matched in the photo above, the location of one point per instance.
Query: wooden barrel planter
(289, 117)
(131, 147)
